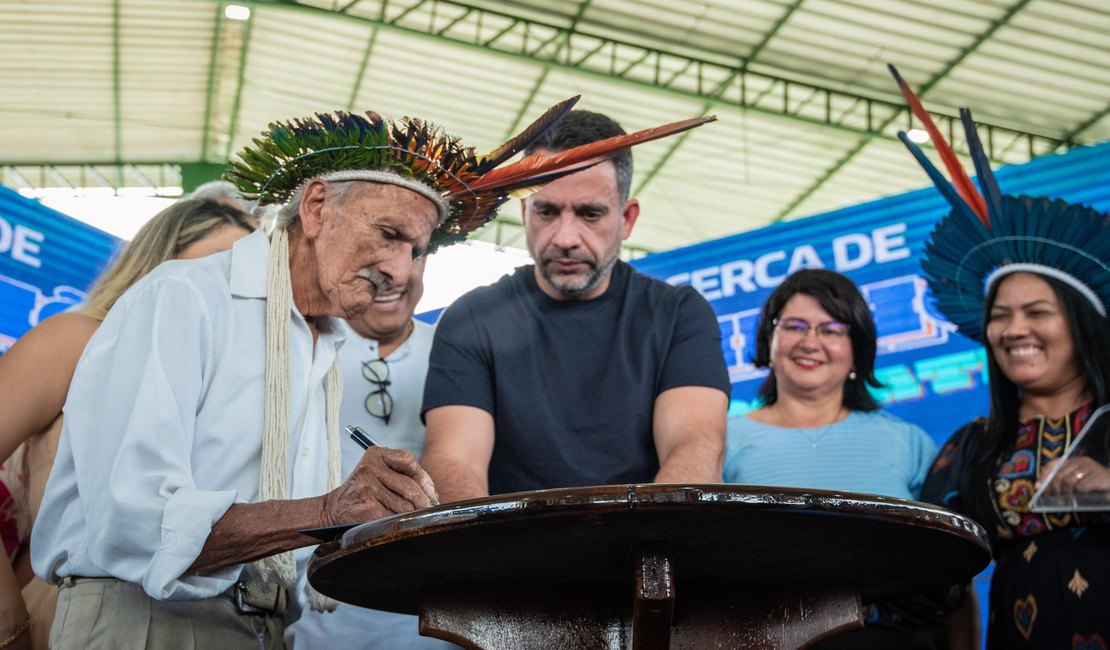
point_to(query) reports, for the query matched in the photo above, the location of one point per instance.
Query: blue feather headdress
(990, 235)
(466, 188)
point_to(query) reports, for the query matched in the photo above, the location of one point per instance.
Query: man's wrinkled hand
(385, 482)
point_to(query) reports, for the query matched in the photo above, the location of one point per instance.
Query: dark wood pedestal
(649, 566)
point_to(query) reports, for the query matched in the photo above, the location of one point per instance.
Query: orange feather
(542, 167)
(964, 187)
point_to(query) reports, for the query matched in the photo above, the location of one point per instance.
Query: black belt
(256, 597)
(249, 596)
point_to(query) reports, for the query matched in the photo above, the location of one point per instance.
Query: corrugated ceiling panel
(839, 40)
(279, 84)
(882, 168)
(1045, 69)
(56, 75)
(1039, 51)
(720, 27)
(164, 55)
(320, 71)
(472, 95)
(737, 173)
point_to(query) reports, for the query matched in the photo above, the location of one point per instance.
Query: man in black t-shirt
(576, 370)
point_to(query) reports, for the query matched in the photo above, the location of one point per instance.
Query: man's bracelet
(18, 633)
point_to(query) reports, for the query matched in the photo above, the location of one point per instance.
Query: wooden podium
(649, 566)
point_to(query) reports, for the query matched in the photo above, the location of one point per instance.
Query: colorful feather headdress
(466, 187)
(990, 235)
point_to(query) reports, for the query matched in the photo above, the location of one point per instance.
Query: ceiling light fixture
(918, 135)
(237, 12)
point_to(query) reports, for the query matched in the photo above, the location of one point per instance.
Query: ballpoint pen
(363, 439)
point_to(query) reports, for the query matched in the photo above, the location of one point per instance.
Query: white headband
(1041, 269)
(379, 176)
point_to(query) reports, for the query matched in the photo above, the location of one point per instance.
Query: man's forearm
(692, 463)
(249, 531)
(457, 451)
(689, 431)
(454, 480)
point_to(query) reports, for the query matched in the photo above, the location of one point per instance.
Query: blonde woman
(34, 378)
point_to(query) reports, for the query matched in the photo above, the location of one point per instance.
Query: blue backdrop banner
(933, 377)
(47, 262)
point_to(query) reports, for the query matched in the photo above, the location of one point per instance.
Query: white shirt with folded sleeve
(163, 426)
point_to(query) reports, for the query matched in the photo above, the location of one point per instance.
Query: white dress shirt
(348, 626)
(163, 426)
(408, 366)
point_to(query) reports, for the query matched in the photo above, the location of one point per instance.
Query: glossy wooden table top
(719, 533)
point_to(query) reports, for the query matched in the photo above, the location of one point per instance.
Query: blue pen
(361, 437)
(365, 441)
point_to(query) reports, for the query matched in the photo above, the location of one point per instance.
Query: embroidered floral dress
(1051, 584)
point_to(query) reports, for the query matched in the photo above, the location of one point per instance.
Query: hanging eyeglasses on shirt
(379, 403)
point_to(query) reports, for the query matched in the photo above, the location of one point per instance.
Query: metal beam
(58, 178)
(716, 93)
(758, 49)
(519, 117)
(517, 37)
(102, 179)
(535, 89)
(210, 96)
(8, 170)
(1070, 136)
(239, 84)
(117, 91)
(408, 10)
(974, 45)
(78, 175)
(138, 173)
(675, 144)
(924, 88)
(771, 33)
(362, 67)
(103, 162)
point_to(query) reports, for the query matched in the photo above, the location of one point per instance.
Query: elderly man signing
(201, 429)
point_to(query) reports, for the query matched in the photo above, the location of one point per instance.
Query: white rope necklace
(273, 479)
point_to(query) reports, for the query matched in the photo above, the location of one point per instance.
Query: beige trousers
(110, 613)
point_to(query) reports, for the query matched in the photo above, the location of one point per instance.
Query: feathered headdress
(990, 235)
(466, 187)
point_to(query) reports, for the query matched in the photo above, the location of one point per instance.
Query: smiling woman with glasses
(820, 427)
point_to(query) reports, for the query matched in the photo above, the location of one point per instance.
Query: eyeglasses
(379, 403)
(796, 327)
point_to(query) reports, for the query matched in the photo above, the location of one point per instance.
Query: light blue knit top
(873, 453)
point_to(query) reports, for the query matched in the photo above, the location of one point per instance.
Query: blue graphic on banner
(47, 262)
(933, 376)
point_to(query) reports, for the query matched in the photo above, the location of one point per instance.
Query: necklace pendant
(813, 445)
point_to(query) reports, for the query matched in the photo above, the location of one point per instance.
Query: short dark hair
(584, 127)
(839, 296)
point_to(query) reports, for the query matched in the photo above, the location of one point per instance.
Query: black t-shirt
(571, 385)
